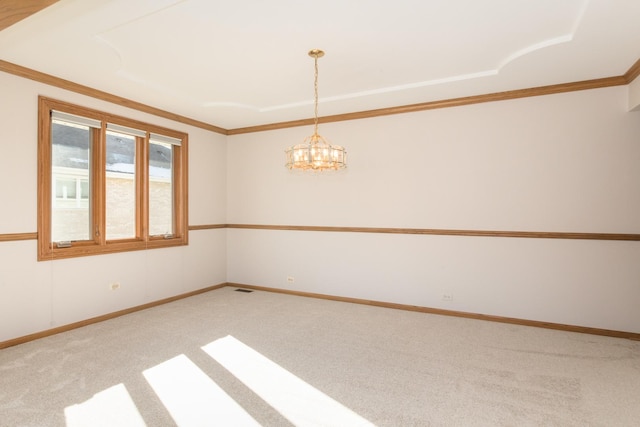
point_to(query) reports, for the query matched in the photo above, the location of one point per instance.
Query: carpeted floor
(232, 358)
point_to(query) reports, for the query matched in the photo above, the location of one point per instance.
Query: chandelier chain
(315, 93)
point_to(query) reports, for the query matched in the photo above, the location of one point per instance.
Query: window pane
(160, 188)
(65, 188)
(120, 186)
(70, 210)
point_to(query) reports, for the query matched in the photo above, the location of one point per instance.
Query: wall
(555, 163)
(566, 162)
(634, 95)
(35, 296)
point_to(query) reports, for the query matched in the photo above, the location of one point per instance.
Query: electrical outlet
(290, 279)
(447, 297)
(114, 286)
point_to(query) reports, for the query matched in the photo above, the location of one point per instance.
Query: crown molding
(633, 72)
(48, 79)
(446, 103)
(12, 11)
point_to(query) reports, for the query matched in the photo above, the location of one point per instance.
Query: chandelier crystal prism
(316, 153)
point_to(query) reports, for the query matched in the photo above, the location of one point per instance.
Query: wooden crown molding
(633, 72)
(12, 11)
(48, 79)
(446, 103)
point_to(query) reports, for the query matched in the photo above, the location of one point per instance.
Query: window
(107, 183)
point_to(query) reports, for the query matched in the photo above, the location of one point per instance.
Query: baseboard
(75, 325)
(490, 318)
(500, 319)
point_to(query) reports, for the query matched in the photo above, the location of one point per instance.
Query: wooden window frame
(97, 244)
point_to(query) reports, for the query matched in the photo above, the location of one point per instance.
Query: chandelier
(315, 153)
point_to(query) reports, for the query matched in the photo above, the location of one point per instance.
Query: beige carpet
(231, 358)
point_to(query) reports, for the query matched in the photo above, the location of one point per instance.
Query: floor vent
(244, 290)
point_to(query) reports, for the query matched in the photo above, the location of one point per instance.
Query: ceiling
(241, 63)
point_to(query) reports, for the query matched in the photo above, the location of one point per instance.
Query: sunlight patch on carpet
(192, 397)
(110, 407)
(296, 400)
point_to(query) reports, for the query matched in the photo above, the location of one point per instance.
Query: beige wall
(35, 296)
(634, 95)
(560, 163)
(565, 162)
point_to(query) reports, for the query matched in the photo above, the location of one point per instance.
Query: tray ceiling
(244, 63)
